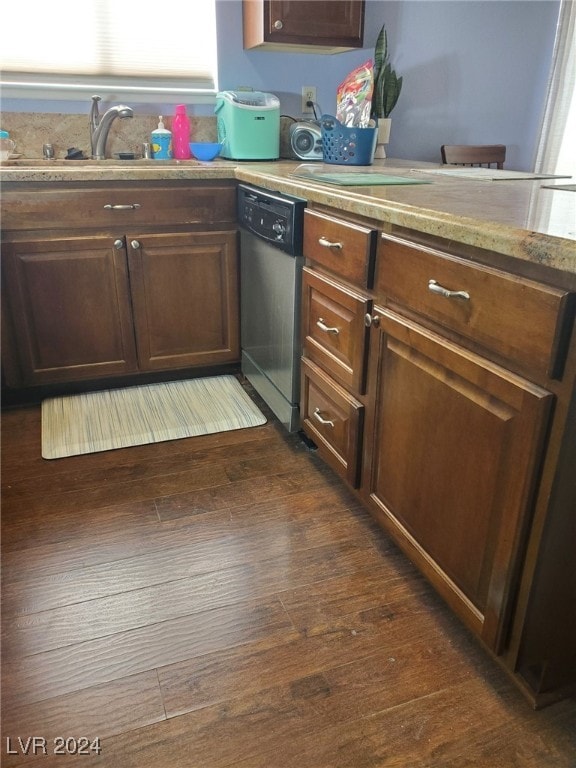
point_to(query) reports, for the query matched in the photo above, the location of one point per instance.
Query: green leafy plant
(387, 85)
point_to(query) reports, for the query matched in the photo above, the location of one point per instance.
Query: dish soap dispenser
(161, 140)
(181, 134)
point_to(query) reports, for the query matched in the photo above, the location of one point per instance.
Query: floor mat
(119, 418)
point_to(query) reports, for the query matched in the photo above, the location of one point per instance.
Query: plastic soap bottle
(161, 140)
(6, 145)
(181, 134)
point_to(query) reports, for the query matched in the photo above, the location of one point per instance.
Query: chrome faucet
(100, 126)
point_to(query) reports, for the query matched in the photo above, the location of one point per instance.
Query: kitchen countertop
(519, 218)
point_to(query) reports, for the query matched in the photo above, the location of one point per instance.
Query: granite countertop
(519, 218)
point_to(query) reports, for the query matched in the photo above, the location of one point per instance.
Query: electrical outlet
(308, 94)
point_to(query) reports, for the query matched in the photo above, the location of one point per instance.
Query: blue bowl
(204, 150)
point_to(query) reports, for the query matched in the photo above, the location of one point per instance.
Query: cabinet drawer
(517, 319)
(335, 336)
(344, 248)
(118, 205)
(333, 419)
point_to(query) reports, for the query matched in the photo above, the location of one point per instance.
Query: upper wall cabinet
(314, 26)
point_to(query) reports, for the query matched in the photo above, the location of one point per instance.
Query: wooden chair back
(481, 155)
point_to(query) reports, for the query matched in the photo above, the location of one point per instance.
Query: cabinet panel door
(328, 22)
(185, 299)
(452, 460)
(69, 304)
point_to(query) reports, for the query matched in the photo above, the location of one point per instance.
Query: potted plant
(387, 87)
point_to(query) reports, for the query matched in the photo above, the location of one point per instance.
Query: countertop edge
(554, 252)
(545, 250)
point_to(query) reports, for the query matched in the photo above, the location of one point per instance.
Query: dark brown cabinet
(147, 282)
(335, 338)
(451, 410)
(185, 299)
(320, 26)
(452, 451)
(69, 306)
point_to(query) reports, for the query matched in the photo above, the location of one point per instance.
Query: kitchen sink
(30, 162)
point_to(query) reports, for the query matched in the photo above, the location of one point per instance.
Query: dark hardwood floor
(224, 601)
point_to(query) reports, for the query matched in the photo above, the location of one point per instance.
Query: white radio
(306, 140)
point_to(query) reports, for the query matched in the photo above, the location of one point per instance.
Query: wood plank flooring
(224, 601)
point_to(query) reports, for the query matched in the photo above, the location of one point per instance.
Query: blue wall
(475, 71)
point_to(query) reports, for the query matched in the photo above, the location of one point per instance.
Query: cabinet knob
(318, 416)
(118, 244)
(278, 24)
(370, 321)
(135, 244)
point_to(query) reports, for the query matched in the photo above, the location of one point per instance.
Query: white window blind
(112, 46)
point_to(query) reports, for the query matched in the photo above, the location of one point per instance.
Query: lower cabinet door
(452, 457)
(185, 299)
(333, 419)
(68, 303)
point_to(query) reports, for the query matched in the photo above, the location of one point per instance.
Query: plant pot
(384, 124)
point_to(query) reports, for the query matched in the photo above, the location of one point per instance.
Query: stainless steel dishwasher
(271, 277)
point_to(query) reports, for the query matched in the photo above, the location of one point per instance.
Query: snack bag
(354, 96)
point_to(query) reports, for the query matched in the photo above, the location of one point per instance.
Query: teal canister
(161, 140)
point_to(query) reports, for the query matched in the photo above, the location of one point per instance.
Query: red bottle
(181, 134)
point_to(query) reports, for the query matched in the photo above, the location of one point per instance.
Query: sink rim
(61, 163)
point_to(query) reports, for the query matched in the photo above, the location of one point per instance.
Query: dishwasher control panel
(274, 217)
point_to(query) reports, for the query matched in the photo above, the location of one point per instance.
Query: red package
(354, 96)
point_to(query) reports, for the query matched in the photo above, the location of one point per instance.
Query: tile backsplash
(31, 130)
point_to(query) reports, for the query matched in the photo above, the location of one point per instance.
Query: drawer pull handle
(327, 328)
(135, 244)
(325, 422)
(131, 207)
(325, 243)
(441, 291)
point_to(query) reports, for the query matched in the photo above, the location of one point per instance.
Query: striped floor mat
(103, 421)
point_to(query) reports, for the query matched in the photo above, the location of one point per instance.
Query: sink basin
(30, 162)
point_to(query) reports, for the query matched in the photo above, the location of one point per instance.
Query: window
(557, 150)
(68, 49)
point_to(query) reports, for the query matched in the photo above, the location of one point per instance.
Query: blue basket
(347, 146)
